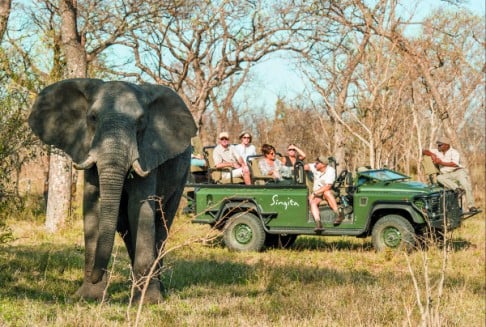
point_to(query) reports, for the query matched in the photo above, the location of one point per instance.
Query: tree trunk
(5, 6)
(60, 195)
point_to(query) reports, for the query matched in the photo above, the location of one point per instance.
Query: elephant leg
(123, 228)
(89, 290)
(170, 187)
(141, 217)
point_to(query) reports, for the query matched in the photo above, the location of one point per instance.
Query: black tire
(393, 232)
(244, 232)
(280, 241)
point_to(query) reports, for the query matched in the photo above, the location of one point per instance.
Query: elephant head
(116, 126)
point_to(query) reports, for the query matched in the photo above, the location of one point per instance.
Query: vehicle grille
(434, 205)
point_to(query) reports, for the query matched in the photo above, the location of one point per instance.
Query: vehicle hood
(404, 186)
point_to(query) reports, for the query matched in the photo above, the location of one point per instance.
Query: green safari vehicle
(380, 203)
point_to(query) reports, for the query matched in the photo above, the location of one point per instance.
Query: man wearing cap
(226, 156)
(452, 175)
(324, 176)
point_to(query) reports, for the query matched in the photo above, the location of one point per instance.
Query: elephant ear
(170, 126)
(58, 116)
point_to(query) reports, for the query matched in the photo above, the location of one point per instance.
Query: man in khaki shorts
(452, 175)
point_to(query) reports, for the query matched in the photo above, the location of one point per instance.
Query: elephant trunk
(111, 186)
(114, 160)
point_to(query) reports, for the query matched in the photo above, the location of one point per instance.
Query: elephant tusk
(138, 169)
(87, 164)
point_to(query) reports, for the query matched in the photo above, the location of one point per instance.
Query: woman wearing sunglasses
(270, 166)
(245, 148)
(293, 154)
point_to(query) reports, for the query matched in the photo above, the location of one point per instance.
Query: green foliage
(16, 139)
(27, 208)
(17, 144)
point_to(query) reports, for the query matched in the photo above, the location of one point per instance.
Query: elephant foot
(89, 291)
(153, 294)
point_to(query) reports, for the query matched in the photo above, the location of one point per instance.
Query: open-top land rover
(380, 203)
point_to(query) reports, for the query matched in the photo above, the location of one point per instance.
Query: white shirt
(451, 155)
(228, 154)
(245, 151)
(322, 178)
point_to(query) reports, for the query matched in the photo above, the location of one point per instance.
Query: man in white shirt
(452, 175)
(225, 155)
(324, 176)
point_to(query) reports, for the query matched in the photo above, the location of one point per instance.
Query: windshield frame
(383, 175)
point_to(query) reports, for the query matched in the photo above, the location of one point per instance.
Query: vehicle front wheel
(393, 232)
(244, 232)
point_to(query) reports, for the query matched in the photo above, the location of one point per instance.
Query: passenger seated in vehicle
(293, 154)
(245, 148)
(225, 155)
(324, 176)
(270, 166)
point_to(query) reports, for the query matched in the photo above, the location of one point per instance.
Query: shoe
(318, 227)
(339, 219)
(473, 209)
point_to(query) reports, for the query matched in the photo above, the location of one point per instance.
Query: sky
(277, 78)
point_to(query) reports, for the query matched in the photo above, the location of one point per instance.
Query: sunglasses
(224, 139)
(272, 153)
(245, 137)
(290, 149)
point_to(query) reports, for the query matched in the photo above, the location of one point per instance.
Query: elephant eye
(92, 118)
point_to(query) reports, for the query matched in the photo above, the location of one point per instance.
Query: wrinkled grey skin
(133, 141)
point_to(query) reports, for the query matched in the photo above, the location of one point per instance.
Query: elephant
(133, 143)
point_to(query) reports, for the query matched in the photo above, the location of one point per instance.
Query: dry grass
(320, 282)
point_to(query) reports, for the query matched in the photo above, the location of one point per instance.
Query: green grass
(327, 281)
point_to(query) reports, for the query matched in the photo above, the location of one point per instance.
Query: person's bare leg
(314, 204)
(333, 204)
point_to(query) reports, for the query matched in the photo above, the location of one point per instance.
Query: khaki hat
(323, 159)
(223, 134)
(443, 140)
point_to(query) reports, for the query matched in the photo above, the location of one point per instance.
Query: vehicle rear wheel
(280, 241)
(244, 232)
(393, 232)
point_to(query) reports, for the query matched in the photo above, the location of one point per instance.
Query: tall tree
(61, 174)
(204, 49)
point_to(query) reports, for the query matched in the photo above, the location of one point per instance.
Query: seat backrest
(256, 174)
(214, 174)
(208, 154)
(430, 169)
(429, 166)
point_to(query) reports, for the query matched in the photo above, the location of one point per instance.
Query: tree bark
(59, 193)
(5, 6)
(61, 190)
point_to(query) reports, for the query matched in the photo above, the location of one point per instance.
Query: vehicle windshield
(383, 175)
